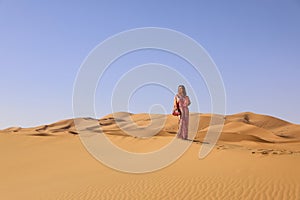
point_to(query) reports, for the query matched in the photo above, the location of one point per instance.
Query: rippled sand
(257, 157)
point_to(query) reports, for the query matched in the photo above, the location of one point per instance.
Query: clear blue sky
(254, 43)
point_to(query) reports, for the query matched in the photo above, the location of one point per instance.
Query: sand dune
(256, 157)
(239, 127)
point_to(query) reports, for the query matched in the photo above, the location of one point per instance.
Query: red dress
(183, 102)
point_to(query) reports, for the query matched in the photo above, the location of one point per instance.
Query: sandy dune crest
(240, 127)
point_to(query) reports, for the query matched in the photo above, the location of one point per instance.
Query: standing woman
(182, 101)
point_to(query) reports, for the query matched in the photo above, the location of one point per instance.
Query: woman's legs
(179, 133)
(183, 125)
(186, 125)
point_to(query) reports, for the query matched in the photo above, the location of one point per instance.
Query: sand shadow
(41, 134)
(197, 141)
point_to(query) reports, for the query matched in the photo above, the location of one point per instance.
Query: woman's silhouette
(183, 101)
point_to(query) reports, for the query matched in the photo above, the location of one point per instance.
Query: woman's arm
(175, 104)
(188, 100)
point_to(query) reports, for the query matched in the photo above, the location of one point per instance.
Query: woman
(183, 101)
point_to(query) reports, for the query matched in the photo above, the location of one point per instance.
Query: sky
(254, 43)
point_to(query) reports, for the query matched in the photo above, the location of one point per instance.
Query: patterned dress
(183, 123)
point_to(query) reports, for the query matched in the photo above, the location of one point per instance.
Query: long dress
(183, 123)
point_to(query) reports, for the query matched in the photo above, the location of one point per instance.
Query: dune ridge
(245, 126)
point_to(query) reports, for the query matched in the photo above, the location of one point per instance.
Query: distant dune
(246, 126)
(256, 157)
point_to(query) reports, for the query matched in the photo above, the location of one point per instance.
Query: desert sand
(256, 157)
